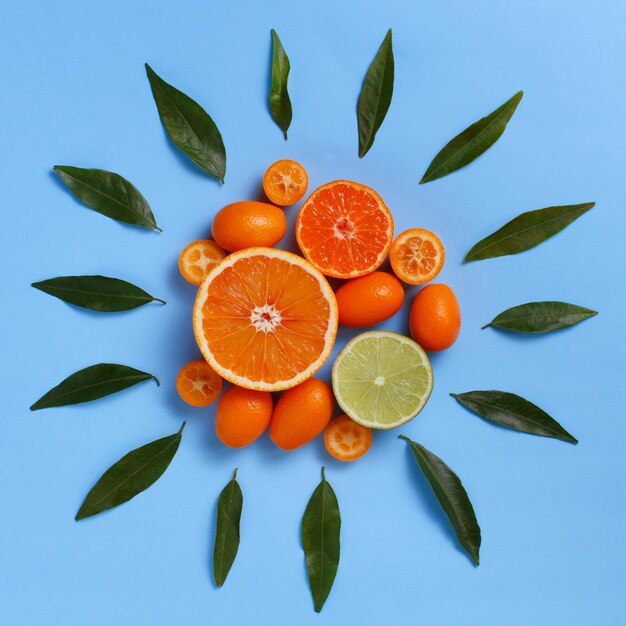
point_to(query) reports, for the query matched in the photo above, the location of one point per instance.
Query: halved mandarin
(346, 440)
(417, 256)
(265, 319)
(344, 229)
(285, 182)
(198, 258)
(197, 384)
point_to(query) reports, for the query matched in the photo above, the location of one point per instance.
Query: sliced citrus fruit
(285, 182)
(417, 256)
(198, 258)
(265, 319)
(198, 384)
(346, 440)
(344, 229)
(382, 379)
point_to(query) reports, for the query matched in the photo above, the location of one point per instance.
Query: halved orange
(417, 256)
(265, 319)
(344, 229)
(285, 182)
(198, 258)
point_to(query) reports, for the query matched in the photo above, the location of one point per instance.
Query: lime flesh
(382, 379)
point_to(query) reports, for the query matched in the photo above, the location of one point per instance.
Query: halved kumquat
(197, 384)
(417, 256)
(346, 440)
(285, 182)
(198, 258)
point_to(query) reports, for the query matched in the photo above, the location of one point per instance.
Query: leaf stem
(182, 427)
(235, 473)
(486, 326)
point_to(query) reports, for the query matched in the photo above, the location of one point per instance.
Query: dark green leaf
(280, 103)
(452, 496)
(229, 506)
(189, 126)
(99, 293)
(109, 194)
(321, 525)
(375, 96)
(541, 317)
(91, 383)
(131, 475)
(512, 411)
(472, 142)
(527, 231)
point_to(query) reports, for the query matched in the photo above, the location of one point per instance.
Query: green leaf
(91, 383)
(452, 497)
(527, 231)
(189, 126)
(99, 293)
(109, 194)
(280, 103)
(472, 142)
(541, 317)
(375, 96)
(512, 411)
(131, 475)
(229, 506)
(321, 525)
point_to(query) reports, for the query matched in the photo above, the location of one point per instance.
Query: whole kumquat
(435, 318)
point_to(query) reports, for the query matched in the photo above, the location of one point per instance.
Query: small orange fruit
(417, 256)
(344, 229)
(435, 318)
(248, 224)
(301, 414)
(197, 384)
(346, 440)
(285, 182)
(369, 300)
(242, 416)
(198, 258)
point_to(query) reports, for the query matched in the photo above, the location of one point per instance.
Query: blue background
(74, 92)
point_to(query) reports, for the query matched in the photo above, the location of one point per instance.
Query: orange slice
(344, 229)
(417, 256)
(265, 319)
(285, 182)
(198, 258)
(197, 384)
(346, 440)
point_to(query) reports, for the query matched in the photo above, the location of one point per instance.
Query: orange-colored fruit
(285, 182)
(417, 256)
(197, 384)
(369, 300)
(198, 258)
(435, 318)
(301, 414)
(248, 224)
(265, 319)
(242, 415)
(344, 229)
(346, 440)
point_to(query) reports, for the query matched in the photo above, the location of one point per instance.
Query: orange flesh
(344, 229)
(285, 182)
(198, 384)
(346, 440)
(417, 256)
(266, 319)
(198, 258)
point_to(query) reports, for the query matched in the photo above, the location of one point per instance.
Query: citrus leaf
(321, 526)
(452, 497)
(512, 411)
(132, 474)
(229, 505)
(91, 383)
(280, 103)
(189, 126)
(472, 142)
(541, 317)
(98, 293)
(108, 193)
(527, 231)
(375, 96)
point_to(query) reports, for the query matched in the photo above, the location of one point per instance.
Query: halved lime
(382, 379)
